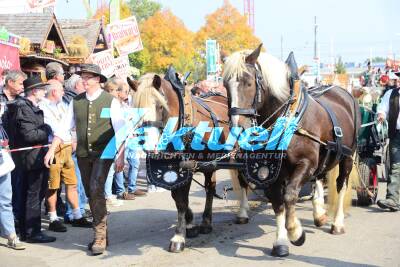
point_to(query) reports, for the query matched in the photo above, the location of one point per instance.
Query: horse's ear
(223, 56)
(252, 58)
(292, 65)
(133, 84)
(157, 82)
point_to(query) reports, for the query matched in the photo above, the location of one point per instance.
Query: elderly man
(7, 227)
(63, 167)
(12, 89)
(29, 130)
(94, 132)
(73, 87)
(54, 71)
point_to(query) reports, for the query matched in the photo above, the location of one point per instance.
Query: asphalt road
(140, 231)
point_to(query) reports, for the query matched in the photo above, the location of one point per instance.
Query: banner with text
(125, 36)
(105, 60)
(121, 67)
(9, 58)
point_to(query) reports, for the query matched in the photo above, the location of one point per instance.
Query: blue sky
(352, 29)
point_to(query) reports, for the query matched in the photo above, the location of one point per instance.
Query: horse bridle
(156, 124)
(251, 112)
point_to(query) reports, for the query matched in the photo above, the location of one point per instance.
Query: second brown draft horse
(162, 102)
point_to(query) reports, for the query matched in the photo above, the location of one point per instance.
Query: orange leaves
(104, 12)
(168, 41)
(229, 28)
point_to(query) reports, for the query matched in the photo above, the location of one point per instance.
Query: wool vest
(393, 112)
(93, 133)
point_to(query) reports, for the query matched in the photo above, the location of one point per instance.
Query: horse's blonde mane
(275, 72)
(146, 94)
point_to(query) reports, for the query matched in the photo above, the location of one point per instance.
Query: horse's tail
(353, 181)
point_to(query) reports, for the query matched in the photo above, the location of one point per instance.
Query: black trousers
(33, 188)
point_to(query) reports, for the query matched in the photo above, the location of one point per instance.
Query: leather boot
(98, 246)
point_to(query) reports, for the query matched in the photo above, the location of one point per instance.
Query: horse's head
(149, 95)
(256, 82)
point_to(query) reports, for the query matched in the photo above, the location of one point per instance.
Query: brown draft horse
(243, 72)
(157, 95)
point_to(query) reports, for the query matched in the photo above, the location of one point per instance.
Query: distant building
(90, 29)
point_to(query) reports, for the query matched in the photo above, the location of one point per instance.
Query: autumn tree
(104, 12)
(229, 28)
(166, 42)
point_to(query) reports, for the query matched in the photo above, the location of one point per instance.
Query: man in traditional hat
(389, 109)
(30, 130)
(94, 132)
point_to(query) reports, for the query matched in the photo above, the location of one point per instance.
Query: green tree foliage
(143, 9)
(339, 67)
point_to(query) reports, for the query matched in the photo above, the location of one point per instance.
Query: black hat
(33, 82)
(94, 69)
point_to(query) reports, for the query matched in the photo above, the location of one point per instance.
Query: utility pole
(316, 54)
(333, 58)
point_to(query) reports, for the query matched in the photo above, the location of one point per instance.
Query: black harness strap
(336, 146)
(156, 124)
(242, 111)
(206, 107)
(179, 89)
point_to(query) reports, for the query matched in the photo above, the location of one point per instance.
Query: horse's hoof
(335, 230)
(176, 247)
(241, 220)
(192, 232)
(280, 251)
(205, 229)
(321, 220)
(299, 242)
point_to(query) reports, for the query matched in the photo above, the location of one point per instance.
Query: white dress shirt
(383, 107)
(116, 114)
(53, 116)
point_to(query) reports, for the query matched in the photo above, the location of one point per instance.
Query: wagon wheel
(386, 162)
(368, 191)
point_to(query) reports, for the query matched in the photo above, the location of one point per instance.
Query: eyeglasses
(86, 78)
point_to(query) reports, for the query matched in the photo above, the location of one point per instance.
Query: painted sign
(121, 67)
(105, 60)
(211, 56)
(9, 58)
(125, 36)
